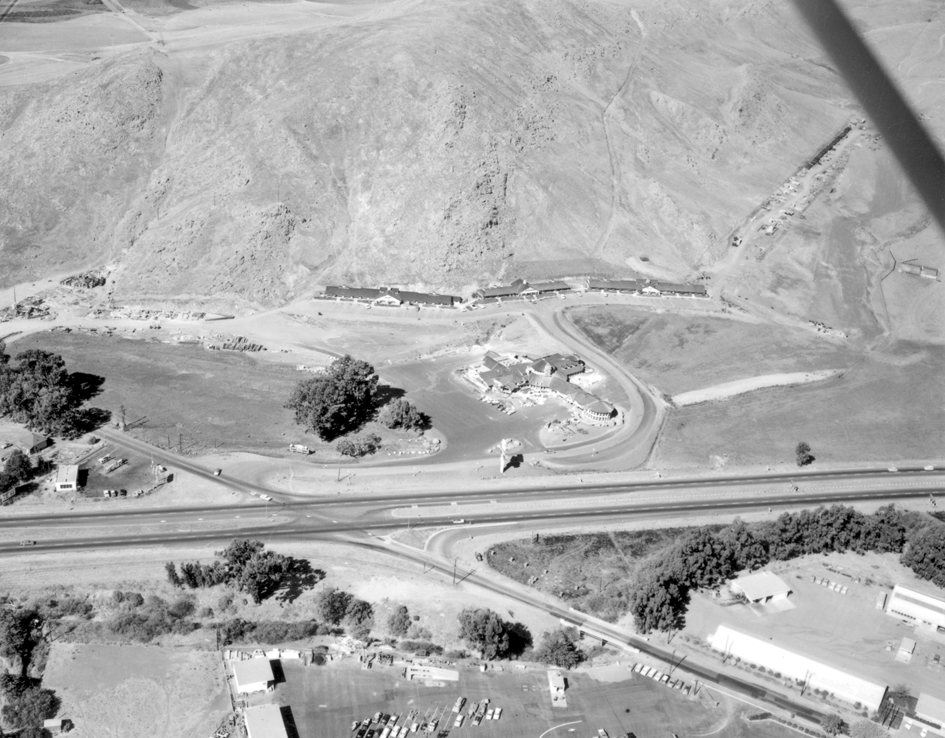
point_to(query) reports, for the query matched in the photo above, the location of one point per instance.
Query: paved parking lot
(326, 700)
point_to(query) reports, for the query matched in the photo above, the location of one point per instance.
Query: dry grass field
(679, 353)
(121, 691)
(887, 407)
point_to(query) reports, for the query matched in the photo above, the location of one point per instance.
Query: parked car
(217, 472)
(27, 543)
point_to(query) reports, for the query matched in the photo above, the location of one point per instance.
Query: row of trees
(344, 398)
(26, 703)
(246, 564)
(658, 594)
(37, 391)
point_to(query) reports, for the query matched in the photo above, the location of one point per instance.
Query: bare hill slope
(440, 144)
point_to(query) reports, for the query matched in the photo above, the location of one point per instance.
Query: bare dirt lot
(112, 691)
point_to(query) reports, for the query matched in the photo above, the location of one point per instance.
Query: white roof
(265, 722)
(931, 707)
(52, 723)
(67, 474)
(912, 603)
(760, 585)
(253, 671)
(796, 666)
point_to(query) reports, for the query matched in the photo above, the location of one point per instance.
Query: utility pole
(454, 571)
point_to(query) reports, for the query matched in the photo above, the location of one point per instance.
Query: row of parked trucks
(477, 712)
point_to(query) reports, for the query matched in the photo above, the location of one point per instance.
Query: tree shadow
(515, 462)
(520, 639)
(85, 386)
(299, 578)
(88, 419)
(385, 393)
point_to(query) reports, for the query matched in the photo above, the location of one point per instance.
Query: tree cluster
(399, 621)
(28, 709)
(557, 649)
(925, 553)
(237, 630)
(337, 607)
(399, 413)
(246, 564)
(359, 446)
(659, 592)
(39, 392)
(492, 636)
(336, 402)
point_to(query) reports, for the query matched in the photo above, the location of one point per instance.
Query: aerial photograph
(472, 368)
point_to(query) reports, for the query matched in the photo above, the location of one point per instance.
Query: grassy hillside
(437, 144)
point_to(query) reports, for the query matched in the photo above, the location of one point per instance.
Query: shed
(253, 675)
(56, 725)
(266, 721)
(40, 443)
(67, 478)
(761, 587)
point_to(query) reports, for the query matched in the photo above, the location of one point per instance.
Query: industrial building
(67, 478)
(928, 716)
(253, 675)
(265, 721)
(814, 674)
(760, 587)
(916, 608)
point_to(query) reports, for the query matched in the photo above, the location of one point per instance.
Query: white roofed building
(815, 674)
(761, 587)
(67, 478)
(929, 714)
(253, 675)
(265, 722)
(916, 608)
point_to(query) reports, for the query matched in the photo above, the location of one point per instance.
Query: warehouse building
(928, 716)
(916, 608)
(266, 721)
(763, 586)
(816, 675)
(253, 675)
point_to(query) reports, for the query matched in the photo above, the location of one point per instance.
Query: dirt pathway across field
(731, 389)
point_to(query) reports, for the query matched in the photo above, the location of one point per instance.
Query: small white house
(67, 478)
(760, 587)
(253, 675)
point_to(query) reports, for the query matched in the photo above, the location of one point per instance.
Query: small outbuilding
(67, 478)
(763, 586)
(266, 721)
(57, 726)
(253, 675)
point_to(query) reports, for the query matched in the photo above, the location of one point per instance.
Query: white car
(267, 498)
(929, 467)
(892, 469)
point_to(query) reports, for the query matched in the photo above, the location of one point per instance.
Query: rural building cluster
(767, 594)
(548, 375)
(520, 289)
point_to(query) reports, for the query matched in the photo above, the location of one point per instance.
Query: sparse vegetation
(338, 401)
(359, 446)
(868, 729)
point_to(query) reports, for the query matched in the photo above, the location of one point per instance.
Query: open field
(326, 700)
(682, 353)
(113, 691)
(844, 630)
(887, 407)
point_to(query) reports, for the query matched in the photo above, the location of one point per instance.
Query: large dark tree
(18, 466)
(29, 709)
(557, 648)
(338, 401)
(925, 553)
(399, 621)
(38, 392)
(658, 600)
(331, 605)
(485, 631)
